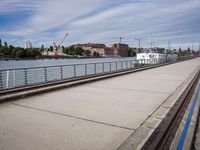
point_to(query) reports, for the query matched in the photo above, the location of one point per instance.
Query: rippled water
(13, 64)
(23, 77)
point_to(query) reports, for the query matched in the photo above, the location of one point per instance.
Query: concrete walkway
(99, 115)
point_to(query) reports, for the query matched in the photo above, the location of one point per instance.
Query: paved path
(99, 115)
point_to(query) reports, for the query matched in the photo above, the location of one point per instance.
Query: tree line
(9, 51)
(78, 51)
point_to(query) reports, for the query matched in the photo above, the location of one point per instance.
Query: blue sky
(101, 21)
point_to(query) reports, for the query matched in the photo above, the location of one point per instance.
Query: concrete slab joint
(117, 113)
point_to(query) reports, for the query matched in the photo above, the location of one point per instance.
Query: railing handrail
(90, 63)
(27, 76)
(24, 68)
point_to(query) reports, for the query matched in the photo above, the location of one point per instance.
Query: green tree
(96, 54)
(51, 48)
(0, 43)
(66, 50)
(131, 52)
(20, 52)
(5, 45)
(42, 48)
(78, 51)
(71, 50)
(87, 52)
(162, 50)
(10, 51)
(33, 52)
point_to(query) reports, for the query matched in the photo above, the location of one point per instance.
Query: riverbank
(59, 57)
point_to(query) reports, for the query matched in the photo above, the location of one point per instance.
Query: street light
(139, 40)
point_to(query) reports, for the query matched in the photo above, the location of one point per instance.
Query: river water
(14, 64)
(23, 77)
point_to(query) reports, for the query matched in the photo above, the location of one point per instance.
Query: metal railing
(23, 77)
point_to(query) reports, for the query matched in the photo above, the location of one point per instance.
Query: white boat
(153, 58)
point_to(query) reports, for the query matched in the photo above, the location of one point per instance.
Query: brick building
(116, 49)
(94, 47)
(120, 49)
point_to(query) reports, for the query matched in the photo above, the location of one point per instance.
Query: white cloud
(7, 6)
(98, 20)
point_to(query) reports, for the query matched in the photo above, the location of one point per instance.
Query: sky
(101, 21)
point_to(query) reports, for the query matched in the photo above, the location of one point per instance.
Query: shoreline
(55, 57)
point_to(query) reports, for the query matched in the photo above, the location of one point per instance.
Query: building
(101, 49)
(120, 49)
(28, 44)
(116, 49)
(151, 58)
(57, 50)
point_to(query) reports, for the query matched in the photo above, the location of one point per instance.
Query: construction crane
(139, 42)
(57, 47)
(120, 39)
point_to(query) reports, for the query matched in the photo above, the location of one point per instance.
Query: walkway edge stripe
(187, 124)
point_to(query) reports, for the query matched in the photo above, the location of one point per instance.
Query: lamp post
(139, 40)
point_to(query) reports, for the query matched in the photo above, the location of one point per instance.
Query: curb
(142, 134)
(187, 141)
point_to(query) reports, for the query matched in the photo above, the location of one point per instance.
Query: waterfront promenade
(115, 113)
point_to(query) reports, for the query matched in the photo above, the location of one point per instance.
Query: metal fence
(23, 77)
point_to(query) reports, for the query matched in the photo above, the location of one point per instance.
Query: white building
(28, 44)
(58, 50)
(152, 58)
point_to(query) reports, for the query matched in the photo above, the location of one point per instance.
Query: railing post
(45, 74)
(74, 70)
(14, 79)
(7, 79)
(86, 69)
(61, 72)
(103, 67)
(95, 68)
(121, 65)
(1, 81)
(25, 77)
(116, 65)
(131, 64)
(110, 66)
(126, 65)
